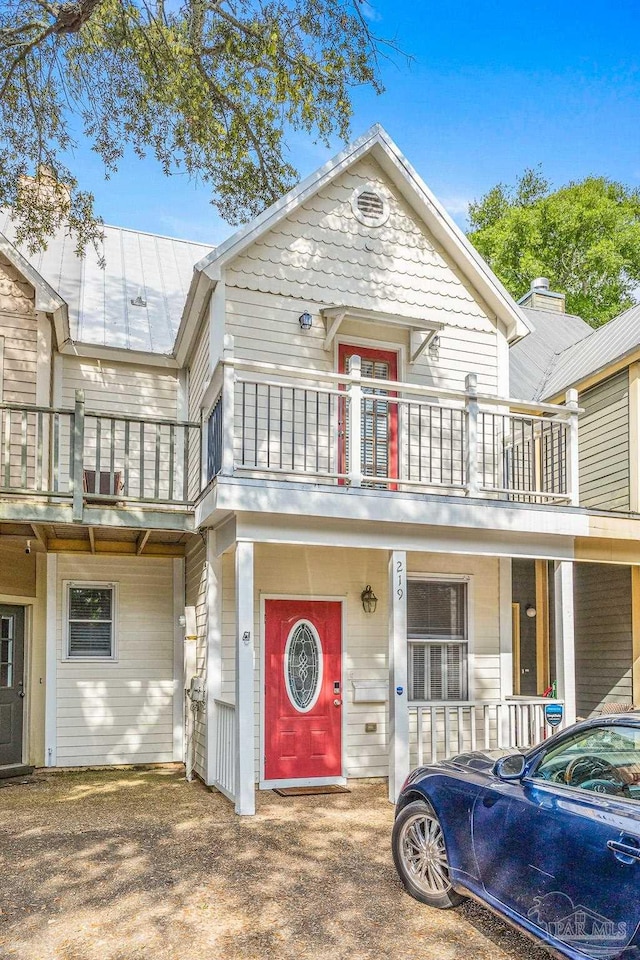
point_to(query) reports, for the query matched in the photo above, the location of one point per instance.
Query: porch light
(305, 320)
(434, 347)
(530, 611)
(369, 599)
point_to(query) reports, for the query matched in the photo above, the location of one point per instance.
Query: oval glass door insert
(303, 666)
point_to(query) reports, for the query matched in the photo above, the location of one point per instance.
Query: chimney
(52, 195)
(540, 297)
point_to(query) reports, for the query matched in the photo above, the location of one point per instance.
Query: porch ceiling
(63, 538)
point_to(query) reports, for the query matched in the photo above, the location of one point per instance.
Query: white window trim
(114, 586)
(469, 580)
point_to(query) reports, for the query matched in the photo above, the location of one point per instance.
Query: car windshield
(602, 759)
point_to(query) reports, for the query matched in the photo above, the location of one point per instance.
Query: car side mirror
(511, 767)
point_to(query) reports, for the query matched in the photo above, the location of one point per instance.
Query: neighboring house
(603, 365)
(293, 474)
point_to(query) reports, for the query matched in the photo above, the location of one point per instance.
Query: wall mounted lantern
(305, 320)
(369, 599)
(434, 347)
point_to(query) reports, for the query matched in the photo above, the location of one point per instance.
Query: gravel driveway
(140, 865)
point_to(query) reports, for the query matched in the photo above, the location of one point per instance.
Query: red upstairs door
(303, 689)
(379, 418)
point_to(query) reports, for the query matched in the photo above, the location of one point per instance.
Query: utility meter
(196, 690)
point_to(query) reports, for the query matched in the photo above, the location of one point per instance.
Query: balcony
(81, 458)
(349, 430)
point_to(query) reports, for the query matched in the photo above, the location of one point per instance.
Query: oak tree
(212, 88)
(585, 237)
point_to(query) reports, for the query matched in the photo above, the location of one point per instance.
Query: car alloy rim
(424, 854)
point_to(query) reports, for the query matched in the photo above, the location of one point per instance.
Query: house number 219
(399, 579)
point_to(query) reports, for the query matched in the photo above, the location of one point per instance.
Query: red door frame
(370, 353)
(306, 608)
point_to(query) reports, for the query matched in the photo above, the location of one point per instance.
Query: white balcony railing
(224, 774)
(80, 455)
(442, 730)
(345, 429)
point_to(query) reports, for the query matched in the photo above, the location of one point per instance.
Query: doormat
(309, 791)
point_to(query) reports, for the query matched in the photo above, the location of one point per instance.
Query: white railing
(80, 455)
(267, 420)
(224, 774)
(444, 729)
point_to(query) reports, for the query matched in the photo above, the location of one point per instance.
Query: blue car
(549, 839)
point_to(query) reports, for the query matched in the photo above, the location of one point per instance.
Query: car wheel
(420, 856)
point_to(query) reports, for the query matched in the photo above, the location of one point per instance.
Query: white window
(438, 639)
(90, 621)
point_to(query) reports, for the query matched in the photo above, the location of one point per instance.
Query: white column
(213, 651)
(398, 693)
(51, 664)
(228, 408)
(354, 414)
(178, 660)
(573, 457)
(565, 637)
(506, 647)
(245, 706)
(471, 454)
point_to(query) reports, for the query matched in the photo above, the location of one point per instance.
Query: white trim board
(233, 494)
(178, 658)
(51, 664)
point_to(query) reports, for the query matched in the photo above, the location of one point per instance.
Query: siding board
(604, 444)
(603, 636)
(121, 711)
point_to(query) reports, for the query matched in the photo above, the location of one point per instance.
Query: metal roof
(531, 359)
(153, 271)
(608, 343)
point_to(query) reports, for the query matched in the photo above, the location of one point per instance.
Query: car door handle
(624, 849)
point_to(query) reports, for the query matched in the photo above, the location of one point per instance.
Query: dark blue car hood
(481, 761)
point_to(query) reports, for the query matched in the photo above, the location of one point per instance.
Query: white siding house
(271, 515)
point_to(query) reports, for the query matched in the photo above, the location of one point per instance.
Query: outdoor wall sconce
(530, 611)
(305, 320)
(434, 347)
(369, 599)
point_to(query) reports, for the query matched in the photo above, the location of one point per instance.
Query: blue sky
(493, 87)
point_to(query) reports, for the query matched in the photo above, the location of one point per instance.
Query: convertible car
(549, 839)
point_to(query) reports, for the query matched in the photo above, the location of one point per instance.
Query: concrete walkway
(140, 865)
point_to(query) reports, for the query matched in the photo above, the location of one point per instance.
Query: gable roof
(531, 359)
(604, 346)
(144, 267)
(377, 143)
(47, 299)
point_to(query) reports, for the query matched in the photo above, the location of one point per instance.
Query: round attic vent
(369, 206)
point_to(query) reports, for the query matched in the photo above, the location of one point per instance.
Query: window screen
(90, 621)
(437, 632)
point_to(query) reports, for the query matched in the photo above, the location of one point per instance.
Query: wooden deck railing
(444, 729)
(82, 455)
(298, 424)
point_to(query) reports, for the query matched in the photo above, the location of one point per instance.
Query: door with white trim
(303, 689)
(11, 683)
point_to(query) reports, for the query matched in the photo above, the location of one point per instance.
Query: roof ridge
(160, 236)
(604, 330)
(558, 355)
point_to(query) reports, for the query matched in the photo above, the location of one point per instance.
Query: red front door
(303, 689)
(379, 418)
